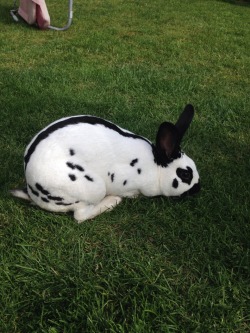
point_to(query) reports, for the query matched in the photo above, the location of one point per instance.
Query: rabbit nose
(193, 190)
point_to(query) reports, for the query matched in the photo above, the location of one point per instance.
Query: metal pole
(70, 17)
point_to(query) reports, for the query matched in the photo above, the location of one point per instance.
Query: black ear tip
(189, 108)
(185, 119)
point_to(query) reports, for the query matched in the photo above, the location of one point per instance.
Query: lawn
(153, 264)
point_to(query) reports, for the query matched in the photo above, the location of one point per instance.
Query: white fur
(106, 157)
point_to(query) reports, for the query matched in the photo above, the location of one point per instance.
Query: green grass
(150, 265)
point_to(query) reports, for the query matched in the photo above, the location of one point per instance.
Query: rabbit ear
(185, 119)
(167, 139)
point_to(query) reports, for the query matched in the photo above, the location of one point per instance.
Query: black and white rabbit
(86, 164)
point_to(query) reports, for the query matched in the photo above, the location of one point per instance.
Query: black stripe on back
(74, 121)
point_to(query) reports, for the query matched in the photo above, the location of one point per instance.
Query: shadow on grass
(245, 3)
(5, 15)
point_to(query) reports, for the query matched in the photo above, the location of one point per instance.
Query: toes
(111, 201)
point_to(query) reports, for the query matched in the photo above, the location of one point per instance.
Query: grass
(151, 265)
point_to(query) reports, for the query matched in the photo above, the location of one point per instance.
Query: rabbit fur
(86, 164)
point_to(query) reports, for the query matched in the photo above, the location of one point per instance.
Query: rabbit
(86, 164)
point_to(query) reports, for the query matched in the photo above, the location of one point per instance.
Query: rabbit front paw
(85, 212)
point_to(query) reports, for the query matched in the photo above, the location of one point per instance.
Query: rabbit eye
(186, 175)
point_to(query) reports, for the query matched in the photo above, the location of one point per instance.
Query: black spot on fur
(74, 166)
(72, 177)
(139, 171)
(33, 191)
(175, 183)
(70, 165)
(133, 162)
(71, 152)
(108, 173)
(44, 199)
(55, 198)
(186, 175)
(89, 178)
(41, 189)
(112, 177)
(63, 204)
(78, 167)
(124, 183)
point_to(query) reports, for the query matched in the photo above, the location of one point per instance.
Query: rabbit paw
(86, 212)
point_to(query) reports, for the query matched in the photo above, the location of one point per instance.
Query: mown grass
(151, 265)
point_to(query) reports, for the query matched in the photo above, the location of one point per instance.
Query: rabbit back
(84, 158)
